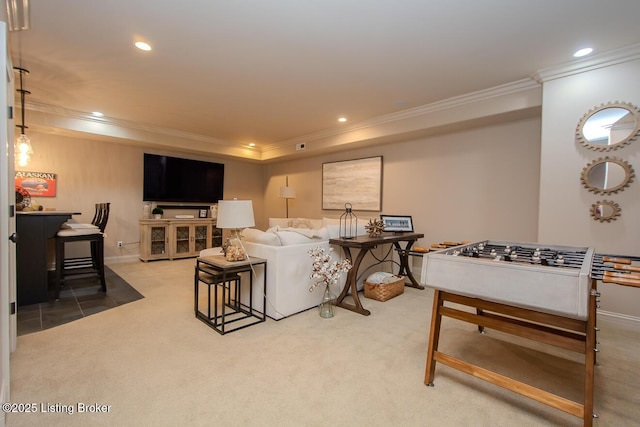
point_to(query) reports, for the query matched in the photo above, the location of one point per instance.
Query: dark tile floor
(79, 298)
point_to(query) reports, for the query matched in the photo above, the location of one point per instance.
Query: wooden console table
(365, 244)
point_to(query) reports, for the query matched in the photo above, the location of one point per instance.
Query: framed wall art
(38, 184)
(358, 182)
(397, 223)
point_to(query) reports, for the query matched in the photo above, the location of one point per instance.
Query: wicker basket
(383, 291)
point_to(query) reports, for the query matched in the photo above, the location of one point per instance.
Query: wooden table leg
(403, 254)
(436, 320)
(352, 284)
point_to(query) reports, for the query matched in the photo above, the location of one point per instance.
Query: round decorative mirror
(607, 176)
(609, 126)
(605, 210)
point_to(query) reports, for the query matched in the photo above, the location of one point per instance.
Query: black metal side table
(228, 313)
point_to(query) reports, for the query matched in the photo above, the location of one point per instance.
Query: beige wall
(471, 185)
(90, 171)
(564, 202)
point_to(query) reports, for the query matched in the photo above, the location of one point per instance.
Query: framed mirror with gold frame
(607, 175)
(609, 126)
(605, 211)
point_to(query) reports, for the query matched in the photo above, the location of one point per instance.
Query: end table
(231, 314)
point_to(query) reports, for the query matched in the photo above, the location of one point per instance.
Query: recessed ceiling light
(342, 119)
(97, 114)
(252, 144)
(583, 52)
(143, 46)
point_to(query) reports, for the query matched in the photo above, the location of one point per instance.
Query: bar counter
(34, 230)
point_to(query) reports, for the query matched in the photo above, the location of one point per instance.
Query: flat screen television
(172, 179)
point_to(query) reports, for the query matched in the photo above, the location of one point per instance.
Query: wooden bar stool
(82, 267)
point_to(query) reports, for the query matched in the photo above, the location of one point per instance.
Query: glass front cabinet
(177, 238)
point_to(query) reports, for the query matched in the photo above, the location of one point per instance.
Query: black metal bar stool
(82, 267)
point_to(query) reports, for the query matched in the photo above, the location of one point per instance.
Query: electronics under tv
(177, 180)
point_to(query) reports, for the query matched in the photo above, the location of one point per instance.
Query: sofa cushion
(333, 231)
(288, 238)
(330, 221)
(292, 236)
(310, 223)
(333, 225)
(259, 236)
(300, 223)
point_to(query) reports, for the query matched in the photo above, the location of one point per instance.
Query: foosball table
(539, 292)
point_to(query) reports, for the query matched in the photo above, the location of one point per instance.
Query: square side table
(230, 314)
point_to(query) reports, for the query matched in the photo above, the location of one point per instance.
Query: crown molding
(412, 113)
(121, 123)
(87, 123)
(607, 59)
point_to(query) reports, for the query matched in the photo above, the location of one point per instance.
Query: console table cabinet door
(177, 238)
(189, 239)
(154, 241)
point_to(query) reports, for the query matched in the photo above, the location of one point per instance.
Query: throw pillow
(300, 223)
(292, 238)
(258, 236)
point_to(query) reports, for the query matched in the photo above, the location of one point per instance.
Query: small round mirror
(607, 176)
(605, 211)
(609, 126)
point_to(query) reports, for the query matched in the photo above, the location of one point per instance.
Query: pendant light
(23, 149)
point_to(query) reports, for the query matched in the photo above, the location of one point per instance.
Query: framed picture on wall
(397, 223)
(38, 184)
(358, 182)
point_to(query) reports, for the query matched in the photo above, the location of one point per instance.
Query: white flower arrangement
(324, 270)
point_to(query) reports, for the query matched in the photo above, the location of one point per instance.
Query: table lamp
(235, 215)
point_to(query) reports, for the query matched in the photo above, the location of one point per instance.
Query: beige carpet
(154, 364)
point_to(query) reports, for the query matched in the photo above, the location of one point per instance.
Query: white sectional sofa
(285, 246)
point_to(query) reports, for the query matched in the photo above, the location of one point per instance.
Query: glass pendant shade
(23, 150)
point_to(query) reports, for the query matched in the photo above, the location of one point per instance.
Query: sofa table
(365, 244)
(216, 271)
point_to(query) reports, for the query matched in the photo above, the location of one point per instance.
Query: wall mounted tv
(171, 179)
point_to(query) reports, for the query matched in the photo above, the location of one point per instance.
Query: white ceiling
(269, 71)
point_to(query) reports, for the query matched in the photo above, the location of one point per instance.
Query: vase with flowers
(326, 272)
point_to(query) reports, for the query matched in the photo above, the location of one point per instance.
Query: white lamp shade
(235, 214)
(287, 192)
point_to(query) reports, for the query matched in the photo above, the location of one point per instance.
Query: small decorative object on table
(375, 227)
(23, 198)
(233, 251)
(348, 223)
(326, 272)
(157, 212)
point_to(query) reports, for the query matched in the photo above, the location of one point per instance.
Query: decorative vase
(326, 306)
